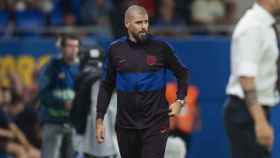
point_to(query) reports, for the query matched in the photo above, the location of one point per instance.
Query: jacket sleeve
(178, 69)
(46, 95)
(107, 85)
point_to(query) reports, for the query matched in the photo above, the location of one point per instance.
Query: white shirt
(254, 53)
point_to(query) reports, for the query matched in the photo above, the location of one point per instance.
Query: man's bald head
(133, 11)
(137, 23)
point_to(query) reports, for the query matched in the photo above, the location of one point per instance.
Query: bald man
(136, 66)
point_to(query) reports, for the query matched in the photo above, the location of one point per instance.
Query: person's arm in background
(106, 88)
(17, 85)
(181, 74)
(18, 134)
(247, 67)
(5, 120)
(12, 131)
(5, 133)
(30, 150)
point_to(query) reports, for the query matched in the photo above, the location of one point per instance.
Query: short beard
(140, 39)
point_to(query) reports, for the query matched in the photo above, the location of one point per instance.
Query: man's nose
(143, 28)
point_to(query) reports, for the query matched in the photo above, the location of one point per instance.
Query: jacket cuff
(100, 116)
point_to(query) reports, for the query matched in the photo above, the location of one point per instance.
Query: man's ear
(127, 24)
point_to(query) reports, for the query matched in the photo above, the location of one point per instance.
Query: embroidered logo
(165, 130)
(120, 64)
(151, 60)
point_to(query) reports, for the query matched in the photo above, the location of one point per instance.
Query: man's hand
(99, 131)
(264, 134)
(175, 109)
(6, 133)
(263, 131)
(11, 135)
(67, 105)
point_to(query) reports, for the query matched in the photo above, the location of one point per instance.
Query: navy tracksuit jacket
(138, 72)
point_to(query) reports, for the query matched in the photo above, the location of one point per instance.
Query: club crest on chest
(151, 60)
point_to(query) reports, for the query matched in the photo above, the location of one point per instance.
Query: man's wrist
(99, 121)
(181, 102)
(258, 114)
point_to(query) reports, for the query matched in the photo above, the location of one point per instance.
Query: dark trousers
(146, 143)
(240, 129)
(90, 156)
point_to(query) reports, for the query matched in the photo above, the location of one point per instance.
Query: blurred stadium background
(199, 30)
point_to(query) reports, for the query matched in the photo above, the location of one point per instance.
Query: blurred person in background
(254, 83)
(168, 19)
(183, 9)
(18, 109)
(23, 5)
(22, 109)
(26, 117)
(167, 15)
(136, 66)
(45, 6)
(56, 93)
(12, 139)
(183, 125)
(213, 12)
(83, 113)
(3, 5)
(96, 12)
(206, 12)
(231, 11)
(70, 13)
(17, 5)
(150, 6)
